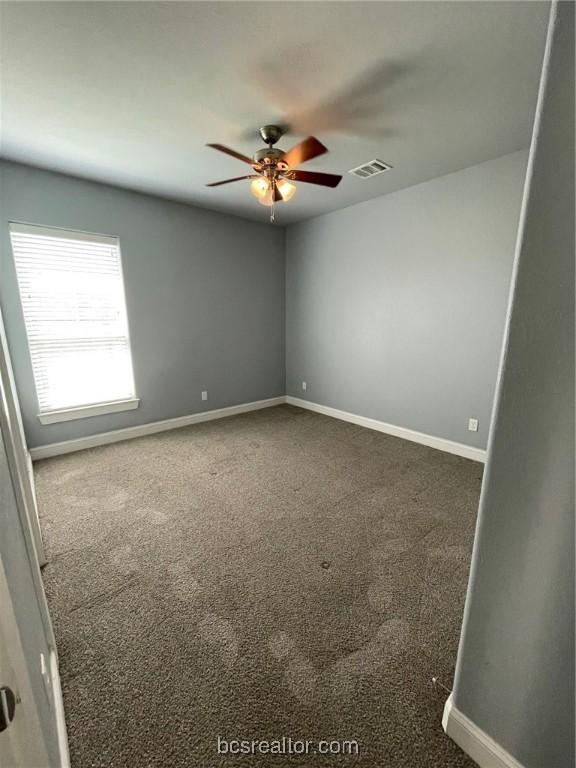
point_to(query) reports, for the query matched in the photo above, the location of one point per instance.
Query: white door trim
(24, 737)
(17, 450)
(59, 706)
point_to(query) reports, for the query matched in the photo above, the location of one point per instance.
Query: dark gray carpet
(274, 574)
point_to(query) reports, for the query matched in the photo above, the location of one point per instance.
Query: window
(75, 314)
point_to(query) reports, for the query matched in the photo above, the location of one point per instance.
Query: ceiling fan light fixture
(260, 188)
(286, 189)
(274, 170)
(267, 199)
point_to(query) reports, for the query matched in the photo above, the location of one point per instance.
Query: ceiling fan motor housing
(270, 156)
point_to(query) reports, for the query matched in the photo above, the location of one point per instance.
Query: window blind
(72, 296)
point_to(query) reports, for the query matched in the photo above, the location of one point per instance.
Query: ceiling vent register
(373, 168)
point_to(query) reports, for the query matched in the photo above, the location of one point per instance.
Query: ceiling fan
(275, 170)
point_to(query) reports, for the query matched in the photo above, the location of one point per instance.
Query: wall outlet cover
(304, 386)
(472, 425)
(204, 395)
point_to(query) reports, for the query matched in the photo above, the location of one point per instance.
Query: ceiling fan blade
(311, 177)
(232, 152)
(277, 196)
(306, 150)
(229, 181)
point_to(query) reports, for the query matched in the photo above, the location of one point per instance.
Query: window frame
(57, 415)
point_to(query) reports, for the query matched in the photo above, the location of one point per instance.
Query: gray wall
(395, 307)
(204, 292)
(515, 672)
(390, 315)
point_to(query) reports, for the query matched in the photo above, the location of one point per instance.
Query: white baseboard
(116, 436)
(474, 741)
(459, 449)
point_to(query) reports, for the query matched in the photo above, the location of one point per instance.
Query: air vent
(373, 168)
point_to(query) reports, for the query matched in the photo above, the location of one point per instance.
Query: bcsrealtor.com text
(286, 745)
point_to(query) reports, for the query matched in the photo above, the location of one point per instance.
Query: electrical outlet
(472, 425)
(205, 395)
(304, 386)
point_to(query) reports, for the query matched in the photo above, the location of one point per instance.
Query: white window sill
(85, 411)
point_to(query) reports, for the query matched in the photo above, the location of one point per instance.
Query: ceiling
(129, 93)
